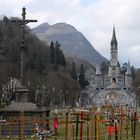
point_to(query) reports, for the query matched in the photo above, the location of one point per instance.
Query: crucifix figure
(23, 22)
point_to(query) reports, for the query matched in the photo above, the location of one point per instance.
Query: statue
(39, 97)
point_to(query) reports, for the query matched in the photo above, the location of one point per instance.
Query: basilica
(115, 86)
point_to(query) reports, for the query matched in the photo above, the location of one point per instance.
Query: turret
(128, 76)
(128, 72)
(98, 77)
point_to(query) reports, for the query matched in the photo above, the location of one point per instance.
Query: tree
(37, 70)
(82, 81)
(52, 57)
(57, 53)
(59, 57)
(73, 71)
(5, 20)
(62, 58)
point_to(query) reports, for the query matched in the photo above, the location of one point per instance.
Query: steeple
(114, 42)
(114, 69)
(128, 72)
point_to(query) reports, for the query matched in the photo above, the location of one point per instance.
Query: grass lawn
(88, 131)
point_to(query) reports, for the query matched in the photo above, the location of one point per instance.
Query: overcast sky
(94, 18)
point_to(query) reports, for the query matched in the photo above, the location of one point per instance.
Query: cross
(133, 123)
(77, 121)
(83, 116)
(23, 22)
(127, 127)
(121, 121)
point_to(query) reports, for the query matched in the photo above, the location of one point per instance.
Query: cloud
(134, 52)
(94, 18)
(12, 7)
(124, 14)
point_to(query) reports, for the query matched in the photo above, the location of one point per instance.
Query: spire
(114, 40)
(128, 72)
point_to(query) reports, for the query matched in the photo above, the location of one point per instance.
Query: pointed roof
(114, 40)
(128, 72)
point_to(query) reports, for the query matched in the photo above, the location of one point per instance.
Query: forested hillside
(45, 66)
(73, 42)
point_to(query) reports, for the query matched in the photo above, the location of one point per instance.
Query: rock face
(72, 41)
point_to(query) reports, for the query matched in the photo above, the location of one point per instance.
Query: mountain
(72, 41)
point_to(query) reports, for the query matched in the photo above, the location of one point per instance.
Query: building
(115, 85)
(20, 115)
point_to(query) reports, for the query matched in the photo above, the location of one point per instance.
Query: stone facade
(114, 86)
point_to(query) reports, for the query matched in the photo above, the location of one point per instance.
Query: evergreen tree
(9, 33)
(57, 53)
(52, 57)
(1, 39)
(5, 20)
(82, 81)
(62, 58)
(73, 71)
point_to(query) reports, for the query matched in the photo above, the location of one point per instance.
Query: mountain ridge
(71, 40)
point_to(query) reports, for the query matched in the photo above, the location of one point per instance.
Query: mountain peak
(63, 25)
(72, 42)
(41, 28)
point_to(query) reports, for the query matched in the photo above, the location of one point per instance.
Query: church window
(113, 68)
(114, 80)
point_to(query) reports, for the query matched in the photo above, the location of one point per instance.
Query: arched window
(114, 80)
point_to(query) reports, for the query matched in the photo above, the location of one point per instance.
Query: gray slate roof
(16, 106)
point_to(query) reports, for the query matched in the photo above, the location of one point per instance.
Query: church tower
(114, 50)
(114, 69)
(98, 78)
(128, 77)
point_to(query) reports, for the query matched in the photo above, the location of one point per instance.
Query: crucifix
(121, 122)
(77, 122)
(127, 127)
(84, 116)
(133, 123)
(22, 23)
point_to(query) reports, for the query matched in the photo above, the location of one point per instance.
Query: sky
(94, 18)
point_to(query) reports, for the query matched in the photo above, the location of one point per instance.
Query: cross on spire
(23, 22)
(114, 40)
